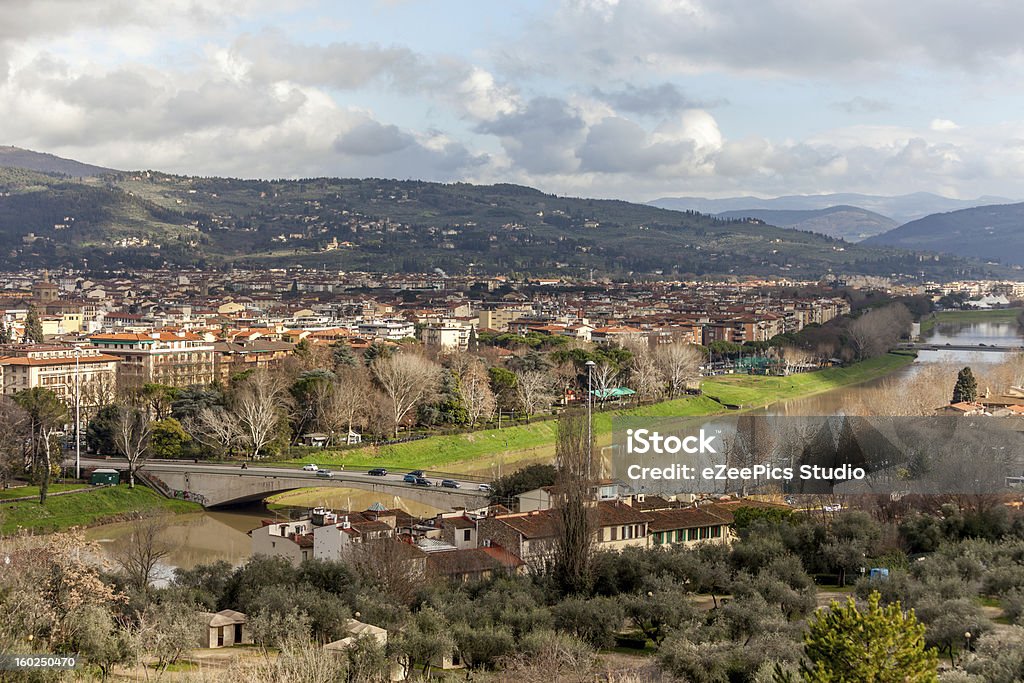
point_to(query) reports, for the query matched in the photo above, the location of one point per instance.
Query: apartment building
(54, 367)
(178, 359)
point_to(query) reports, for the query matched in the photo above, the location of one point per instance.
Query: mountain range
(58, 212)
(900, 208)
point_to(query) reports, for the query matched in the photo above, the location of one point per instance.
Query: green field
(1001, 315)
(84, 509)
(750, 391)
(474, 450)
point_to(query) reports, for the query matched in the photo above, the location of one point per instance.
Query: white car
(484, 487)
(310, 467)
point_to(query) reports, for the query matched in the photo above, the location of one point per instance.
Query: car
(418, 473)
(410, 478)
(324, 473)
(378, 472)
(484, 487)
(310, 467)
(420, 481)
(450, 484)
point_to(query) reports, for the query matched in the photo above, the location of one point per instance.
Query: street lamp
(590, 417)
(78, 415)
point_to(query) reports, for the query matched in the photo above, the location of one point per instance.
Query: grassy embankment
(22, 491)
(1000, 315)
(106, 504)
(475, 451)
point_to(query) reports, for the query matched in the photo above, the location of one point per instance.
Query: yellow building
(53, 367)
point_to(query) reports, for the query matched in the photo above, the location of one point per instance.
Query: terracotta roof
(38, 362)
(686, 518)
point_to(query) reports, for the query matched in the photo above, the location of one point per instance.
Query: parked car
(310, 467)
(324, 473)
(484, 487)
(420, 481)
(378, 472)
(410, 478)
(450, 484)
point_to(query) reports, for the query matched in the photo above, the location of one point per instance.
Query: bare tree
(46, 417)
(406, 380)
(475, 392)
(646, 376)
(258, 406)
(215, 428)
(533, 391)
(679, 363)
(142, 550)
(345, 402)
(795, 357)
(132, 431)
(605, 378)
(878, 330)
(394, 567)
(574, 526)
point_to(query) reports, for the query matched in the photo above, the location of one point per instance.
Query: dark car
(410, 478)
(420, 481)
(378, 472)
(418, 473)
(450, 483)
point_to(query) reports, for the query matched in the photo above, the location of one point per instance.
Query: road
(337, 476)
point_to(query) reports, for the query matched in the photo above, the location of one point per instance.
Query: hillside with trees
(147, 219)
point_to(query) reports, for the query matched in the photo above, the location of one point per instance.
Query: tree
(574, 528)
(168, 630)
(532, 391)
(604, 378)
(168, 439)
(966, 388)
(878, 330)
(142, 549)
(257, 408)
(158, 398)
(216, 428)
(47, 415)
(33, 327)
(406, 380)
(881, 644)
(132, 432)
(475, 393)
(14, 426)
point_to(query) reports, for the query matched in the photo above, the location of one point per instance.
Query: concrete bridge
(220, 485)
(924, 346)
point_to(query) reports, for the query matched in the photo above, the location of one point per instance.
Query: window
(466, 534)
(615, 533)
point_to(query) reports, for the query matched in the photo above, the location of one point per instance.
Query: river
(209, 536)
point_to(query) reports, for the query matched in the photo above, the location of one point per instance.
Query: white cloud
(943, 125)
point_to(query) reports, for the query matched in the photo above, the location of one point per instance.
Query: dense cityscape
(545, 342)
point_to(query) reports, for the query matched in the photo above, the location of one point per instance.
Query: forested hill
(146, 219)
(986, 232)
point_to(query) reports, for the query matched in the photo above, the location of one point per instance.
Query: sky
(600, 98)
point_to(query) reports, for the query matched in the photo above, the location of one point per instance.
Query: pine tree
(879, 644)
(966, 389)
(33, 326)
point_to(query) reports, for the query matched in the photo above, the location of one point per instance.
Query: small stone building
(224, 629)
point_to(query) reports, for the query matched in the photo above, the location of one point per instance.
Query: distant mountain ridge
(900, 208)
(15, 157)
(992, 233)
(849, 223)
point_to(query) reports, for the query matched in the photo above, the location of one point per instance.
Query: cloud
(774, 37)
(653, 100)
(943, 125)
(862, 105)
(541, 136)
(371, 138)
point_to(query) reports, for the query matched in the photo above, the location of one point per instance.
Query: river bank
(89, 508)
(474, 451)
